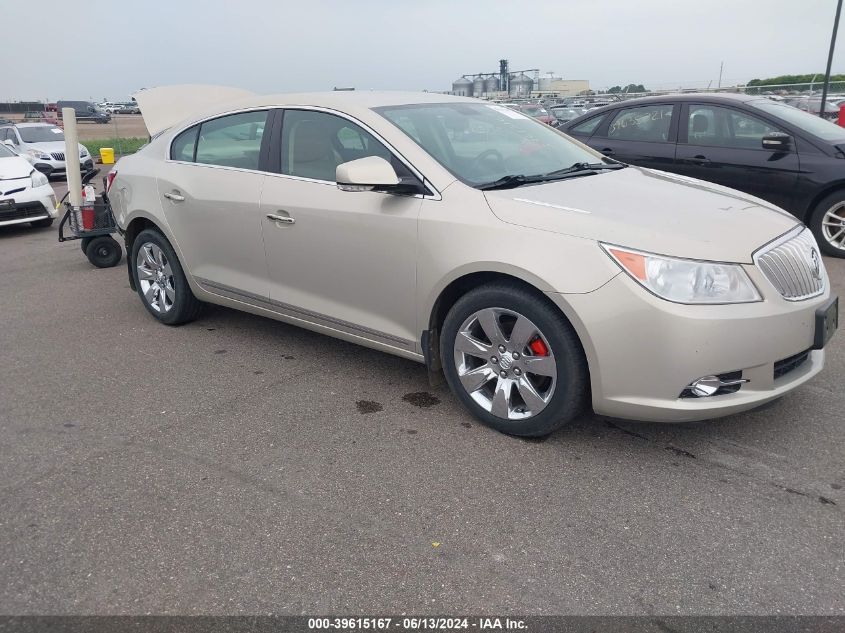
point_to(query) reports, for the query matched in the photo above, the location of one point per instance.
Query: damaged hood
(648, 210)
(165, 106)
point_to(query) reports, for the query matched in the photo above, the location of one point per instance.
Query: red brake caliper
(539, 347)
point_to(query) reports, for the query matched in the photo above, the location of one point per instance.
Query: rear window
(587, 127)
(642, 123)
(183, 145)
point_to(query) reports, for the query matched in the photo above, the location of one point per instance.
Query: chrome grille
(58, 155)
(794, 266)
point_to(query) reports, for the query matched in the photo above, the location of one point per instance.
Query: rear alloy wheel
(513, 360)
(828, 224)
(160, 281)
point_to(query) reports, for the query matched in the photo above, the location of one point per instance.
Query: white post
(72, 168)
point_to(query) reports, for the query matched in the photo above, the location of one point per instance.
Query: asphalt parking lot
(240, 465)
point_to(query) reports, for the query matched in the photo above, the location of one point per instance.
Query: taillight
(110, 179)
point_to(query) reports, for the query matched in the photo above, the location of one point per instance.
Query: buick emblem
(506, 360)
(815, 264)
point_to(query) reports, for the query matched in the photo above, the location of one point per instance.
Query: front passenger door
(340, 259)
(725, 146)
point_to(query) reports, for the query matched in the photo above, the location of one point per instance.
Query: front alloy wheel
(511, 375)
(514, 360)
(833, 225)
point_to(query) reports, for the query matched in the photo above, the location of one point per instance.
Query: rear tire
(528, 377)
(42, 224)
(160, 280)
(828, 224)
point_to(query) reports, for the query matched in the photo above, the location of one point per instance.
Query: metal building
(521, 85)
(478, 86)
(462, 87)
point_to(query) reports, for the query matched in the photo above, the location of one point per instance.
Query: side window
(315, 143)
(643, 123)
(182, 147)
(725, 127)
(587, 127)
(232, 141)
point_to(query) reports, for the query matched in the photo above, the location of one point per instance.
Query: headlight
(38, 179)
(35, 153)
(83, 152)
(686, 280)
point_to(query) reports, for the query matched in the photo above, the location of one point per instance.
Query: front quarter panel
(459, 235)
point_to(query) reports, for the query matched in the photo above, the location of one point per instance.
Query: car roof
(693, 96)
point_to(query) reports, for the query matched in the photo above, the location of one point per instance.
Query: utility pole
(721, 66)
(830, 59)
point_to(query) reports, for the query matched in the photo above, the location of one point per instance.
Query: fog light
(714, 385)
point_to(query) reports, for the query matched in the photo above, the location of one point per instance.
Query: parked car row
(115, 107)
(756, 145)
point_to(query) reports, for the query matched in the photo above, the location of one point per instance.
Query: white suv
(44, 145)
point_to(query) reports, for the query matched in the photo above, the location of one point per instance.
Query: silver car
(536, 275)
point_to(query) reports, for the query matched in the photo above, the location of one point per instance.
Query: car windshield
(41, 134)
(811, 123)
(5, 152)
(481, 143)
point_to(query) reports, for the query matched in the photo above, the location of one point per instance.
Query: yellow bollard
(107, 155)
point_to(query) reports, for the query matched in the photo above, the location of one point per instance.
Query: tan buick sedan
(537, 275)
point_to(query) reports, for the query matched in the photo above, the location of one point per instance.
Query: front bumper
(52, 168)
(38, 203)
(643, 351)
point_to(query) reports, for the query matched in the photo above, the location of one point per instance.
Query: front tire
(828, 224)
(514, 360)
(160, 280)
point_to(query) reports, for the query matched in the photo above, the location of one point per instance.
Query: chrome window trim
(426, 182)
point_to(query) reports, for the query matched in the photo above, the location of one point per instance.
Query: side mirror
(366, 174)
(777, 142)
(9, 143)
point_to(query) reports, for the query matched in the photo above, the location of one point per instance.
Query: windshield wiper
(578, 169)
(585, 167)
(509, 182)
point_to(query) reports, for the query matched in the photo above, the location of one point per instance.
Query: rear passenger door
(724, 145)
(641, 135)
(210, 189)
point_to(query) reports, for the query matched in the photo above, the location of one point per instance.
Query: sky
(269, 46)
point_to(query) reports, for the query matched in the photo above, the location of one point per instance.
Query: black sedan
(753, 144)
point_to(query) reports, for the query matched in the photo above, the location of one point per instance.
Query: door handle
(699, 160)
(284, 219)
(174, 196)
